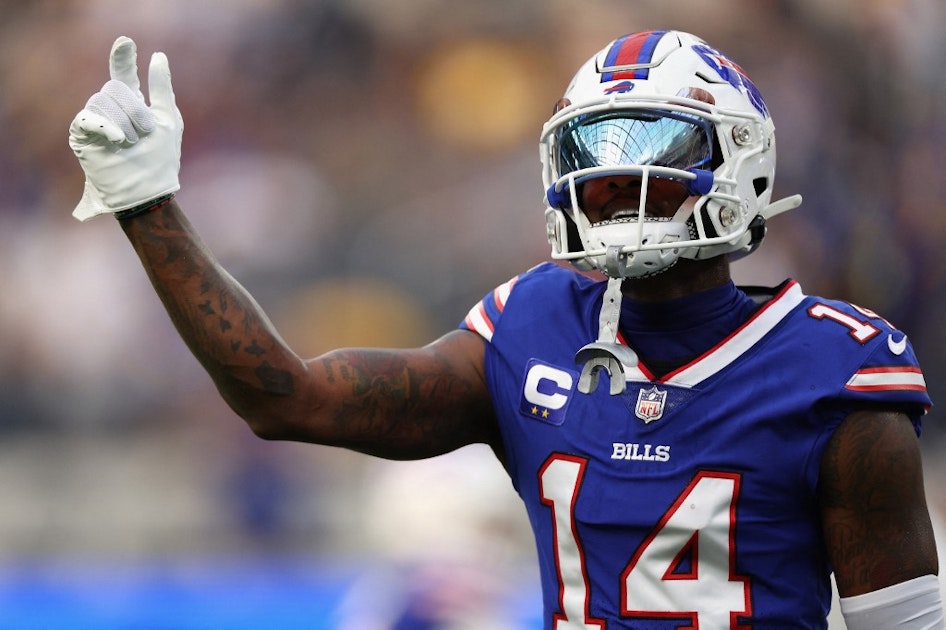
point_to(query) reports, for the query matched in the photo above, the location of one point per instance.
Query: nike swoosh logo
(897, 347)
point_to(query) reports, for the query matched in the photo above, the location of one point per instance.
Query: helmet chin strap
(606, 353)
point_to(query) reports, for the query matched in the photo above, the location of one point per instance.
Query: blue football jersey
(688, 501)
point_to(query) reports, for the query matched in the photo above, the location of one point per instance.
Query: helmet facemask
(672, 150)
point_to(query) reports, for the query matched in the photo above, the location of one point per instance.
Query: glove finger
(89, 125)
(105, 107)
(118, 104)
(132, 104)
(159, 85)
(123, 63)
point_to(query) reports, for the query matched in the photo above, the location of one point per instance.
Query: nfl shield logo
(650, 404)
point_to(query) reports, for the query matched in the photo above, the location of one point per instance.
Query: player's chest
(655, 433)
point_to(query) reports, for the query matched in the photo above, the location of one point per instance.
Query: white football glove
(131, 153)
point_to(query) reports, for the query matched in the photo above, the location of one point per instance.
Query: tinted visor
(641, 138)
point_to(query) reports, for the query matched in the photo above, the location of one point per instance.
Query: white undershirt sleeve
(916, 604)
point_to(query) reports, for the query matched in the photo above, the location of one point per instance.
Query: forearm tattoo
(219, 321)
(393, 403)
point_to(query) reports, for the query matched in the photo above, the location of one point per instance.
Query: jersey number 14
(684, 569)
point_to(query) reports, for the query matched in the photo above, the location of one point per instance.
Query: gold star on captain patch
(545, 413)
(535, 410)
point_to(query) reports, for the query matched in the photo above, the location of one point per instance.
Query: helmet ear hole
(760, 185)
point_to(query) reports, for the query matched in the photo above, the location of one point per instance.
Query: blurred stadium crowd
(369, 169)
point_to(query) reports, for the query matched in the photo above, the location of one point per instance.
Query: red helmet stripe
(633, 49)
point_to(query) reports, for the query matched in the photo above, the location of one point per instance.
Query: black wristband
(147, 206)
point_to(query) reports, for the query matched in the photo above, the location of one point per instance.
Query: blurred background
(369, 170)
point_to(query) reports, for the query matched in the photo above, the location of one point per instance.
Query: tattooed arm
(400, 404)
(874, 514)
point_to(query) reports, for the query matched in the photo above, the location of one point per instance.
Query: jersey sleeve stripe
(482, 318)
(887, 379)
(477, 321)
(502, 292)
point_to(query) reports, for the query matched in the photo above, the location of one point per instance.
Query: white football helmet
(666, 105)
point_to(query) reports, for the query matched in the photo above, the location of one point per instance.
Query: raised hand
(130, 151)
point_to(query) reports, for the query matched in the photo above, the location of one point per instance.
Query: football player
(690, 453)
